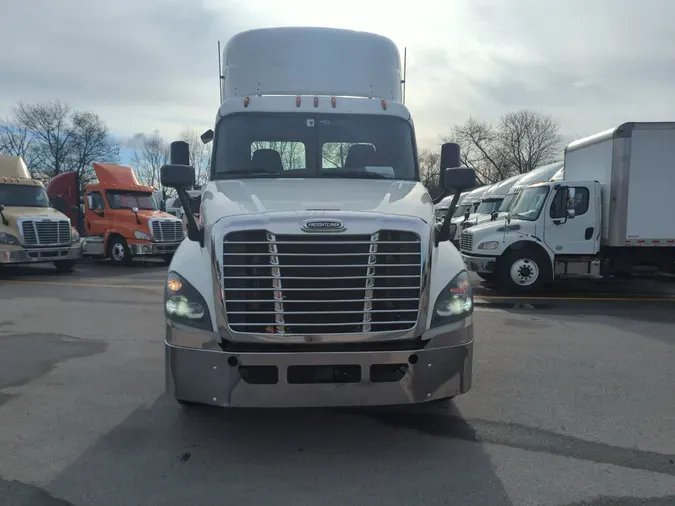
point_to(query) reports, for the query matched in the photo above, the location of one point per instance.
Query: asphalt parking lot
(572, 403)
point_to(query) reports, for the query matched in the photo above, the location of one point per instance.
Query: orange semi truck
(121, 218)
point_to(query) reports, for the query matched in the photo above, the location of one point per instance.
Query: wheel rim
(117, 252)
(524, 272)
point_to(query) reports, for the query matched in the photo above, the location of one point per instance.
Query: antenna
(220, 76)
(405, 67)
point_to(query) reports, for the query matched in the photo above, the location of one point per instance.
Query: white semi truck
(316, 274)
(596, 222)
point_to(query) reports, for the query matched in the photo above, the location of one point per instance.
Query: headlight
(74, 236)
(455, 302)
(489, 245)
(139, 234)
(184, 304)
(10, 239)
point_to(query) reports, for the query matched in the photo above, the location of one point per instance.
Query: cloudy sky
(152, 64)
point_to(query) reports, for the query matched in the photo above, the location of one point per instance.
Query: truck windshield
(529, 203)
(128, 200)
(23, 196)
(506, 203)
(488, 206)
(461, 209)
(256, 145)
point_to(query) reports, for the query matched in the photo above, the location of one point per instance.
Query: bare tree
(520, 142)
(430, 170)
(53, 139)
(150, 153)
(16, 141)
(90, 142)
(200, 155)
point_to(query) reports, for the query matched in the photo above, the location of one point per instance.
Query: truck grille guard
(279, 284)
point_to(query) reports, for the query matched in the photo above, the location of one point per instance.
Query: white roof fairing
(311, 61)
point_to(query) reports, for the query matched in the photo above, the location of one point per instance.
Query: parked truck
(316, 275)
(596, 222)
(121, 219)
(31, 231)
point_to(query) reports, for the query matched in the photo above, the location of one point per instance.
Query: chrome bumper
(198, 370)
(35, 255)
(153, 248)
(486, 265)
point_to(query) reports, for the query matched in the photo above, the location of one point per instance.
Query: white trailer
(598, 221)
(316, 274)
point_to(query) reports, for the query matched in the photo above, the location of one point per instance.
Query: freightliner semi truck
(611, 214)
(316, 274)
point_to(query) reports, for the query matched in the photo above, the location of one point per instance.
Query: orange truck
(121, 219)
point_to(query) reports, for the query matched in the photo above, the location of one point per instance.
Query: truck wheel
(523, 271)
(118, 251)
(64, 265)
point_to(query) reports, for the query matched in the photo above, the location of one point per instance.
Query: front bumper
(36, 255)
(153, 248)
(483, 264)
(198, 370)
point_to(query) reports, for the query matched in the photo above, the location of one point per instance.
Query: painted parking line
(88, 285)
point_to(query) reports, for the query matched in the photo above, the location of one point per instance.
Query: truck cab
(121, 219)
(316, 274)
(468, 208)
(31, 230)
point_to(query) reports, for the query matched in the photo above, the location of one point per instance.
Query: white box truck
(596, 222)
(316, 274)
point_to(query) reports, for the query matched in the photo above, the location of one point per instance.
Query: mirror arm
(194, 232)
(443, 233)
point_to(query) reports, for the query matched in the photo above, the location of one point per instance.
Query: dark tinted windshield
(23, 196)
(488, 206)
(129, 200)
(317, 145)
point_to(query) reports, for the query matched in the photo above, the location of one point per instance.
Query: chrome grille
(45, 232)
(167, 230)
(466, 241)
(321, 284)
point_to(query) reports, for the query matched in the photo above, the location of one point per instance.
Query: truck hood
(13, 214)
(147, 214)
(499, 227)
(255, 196)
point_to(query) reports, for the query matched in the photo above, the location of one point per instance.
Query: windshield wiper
(256, 173)
(355, 174)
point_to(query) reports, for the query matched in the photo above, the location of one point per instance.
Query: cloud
(151, 64)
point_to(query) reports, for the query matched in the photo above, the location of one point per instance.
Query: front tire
(523, 271)
(64, 265)
(118, 251)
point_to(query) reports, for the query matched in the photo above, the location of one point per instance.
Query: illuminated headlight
(455, 302)
(9, 239)
(74, 236)
(139, 234)
(489, 245)
(184, 304)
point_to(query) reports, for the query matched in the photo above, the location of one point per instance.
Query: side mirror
(134, 209)
(449, 159)
(162, 206)
(2, 208)
(494, 215)
(460, 179)
(571, 213)
(180, 153)
(207, 136)
(467, 213)
(177, 176)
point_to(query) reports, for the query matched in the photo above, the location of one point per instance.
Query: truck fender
(532, 246)
(107, 235)
(445, 265)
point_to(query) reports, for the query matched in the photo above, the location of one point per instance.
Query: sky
(146, 65)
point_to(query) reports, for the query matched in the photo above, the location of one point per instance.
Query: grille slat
(295, 284)
(167, 230)
(466, 241)
(45, 232)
